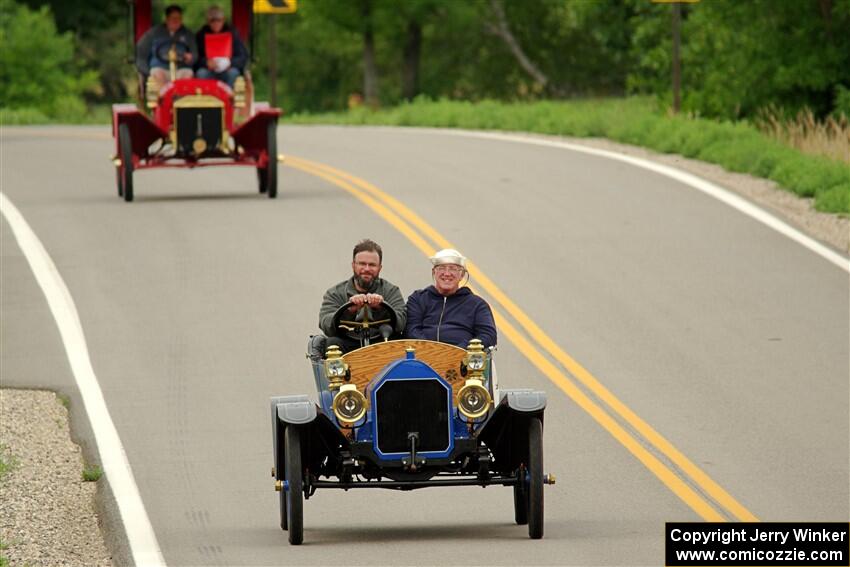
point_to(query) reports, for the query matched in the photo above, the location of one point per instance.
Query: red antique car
(195, 122)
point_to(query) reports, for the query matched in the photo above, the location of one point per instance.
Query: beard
(362, 283)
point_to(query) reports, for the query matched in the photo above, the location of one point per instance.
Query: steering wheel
(180, 49)
(361, 327)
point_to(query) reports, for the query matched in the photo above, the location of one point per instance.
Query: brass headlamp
(349, 404)
(335, 367)
(473, 399)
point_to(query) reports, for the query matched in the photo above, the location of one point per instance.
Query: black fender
(505, 432)
(321, 440)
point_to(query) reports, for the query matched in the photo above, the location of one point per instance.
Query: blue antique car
(408, 414)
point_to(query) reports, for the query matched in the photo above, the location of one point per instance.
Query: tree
(738, 57)
(37, 65)
(500, 28)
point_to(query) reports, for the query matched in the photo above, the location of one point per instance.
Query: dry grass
(830, 137)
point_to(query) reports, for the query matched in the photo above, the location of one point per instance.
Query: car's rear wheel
(271, 169)
(261, 179)
(294, 479)
(125, 144)
(535, 478)
(521, 498)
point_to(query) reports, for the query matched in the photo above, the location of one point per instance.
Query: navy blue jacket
(451, 319)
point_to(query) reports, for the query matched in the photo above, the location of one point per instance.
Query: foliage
(735, 146)
(738, 57)
(37, 65)
(7, 461)
(92, 473)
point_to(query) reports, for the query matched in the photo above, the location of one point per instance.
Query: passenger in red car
(222, 54)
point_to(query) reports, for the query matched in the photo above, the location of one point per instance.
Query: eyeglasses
(450, 268)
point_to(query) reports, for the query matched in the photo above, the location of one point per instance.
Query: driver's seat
(316, 347)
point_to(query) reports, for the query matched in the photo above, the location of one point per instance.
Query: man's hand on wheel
(371, 299)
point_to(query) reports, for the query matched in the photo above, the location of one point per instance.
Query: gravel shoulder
(49, 513)
(48, 509)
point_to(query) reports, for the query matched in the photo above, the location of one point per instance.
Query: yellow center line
(662, 472)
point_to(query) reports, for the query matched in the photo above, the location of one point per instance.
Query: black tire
(295, 494)
(284, 524)
(118, 181)
(271, 168)
(261, 179)
(125, 144)
(280, 472)
(521, 498)
(535, 478)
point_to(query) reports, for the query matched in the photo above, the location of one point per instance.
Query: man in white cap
(447, 312)
(233, 58)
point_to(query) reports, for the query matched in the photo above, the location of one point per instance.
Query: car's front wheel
(294, 479)
(125, 171)
(270, 171)
(535, 478)
(521, 498)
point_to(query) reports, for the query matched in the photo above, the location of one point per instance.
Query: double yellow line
(710, 501)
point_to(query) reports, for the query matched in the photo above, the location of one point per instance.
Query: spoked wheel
(261, 179)
(294, 478)
(535, 478)
(125, 171)
(284, 524)
(521, 498)
(268, 174)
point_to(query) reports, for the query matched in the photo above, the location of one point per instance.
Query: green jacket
(338, 295)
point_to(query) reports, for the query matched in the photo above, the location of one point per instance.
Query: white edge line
(698, 183)
(143, 544)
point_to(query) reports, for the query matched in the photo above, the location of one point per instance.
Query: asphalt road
(727, 339)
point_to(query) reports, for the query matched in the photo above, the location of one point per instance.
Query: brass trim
(474, 384)
(331, 355)
(198, 101)
(346, 391)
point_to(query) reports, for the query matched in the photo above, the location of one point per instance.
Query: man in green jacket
(363, 288)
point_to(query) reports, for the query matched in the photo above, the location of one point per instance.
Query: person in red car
(447, 312)
(222, 54)
(153, 49)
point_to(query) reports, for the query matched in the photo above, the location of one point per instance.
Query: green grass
(74, 114)
(92, 473)
(4, 562)
(736, 146)
(64, 400)
(7, 461)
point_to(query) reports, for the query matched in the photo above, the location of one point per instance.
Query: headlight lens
(473, 400)
(335, 368)
(349, 404)
(475, 361)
